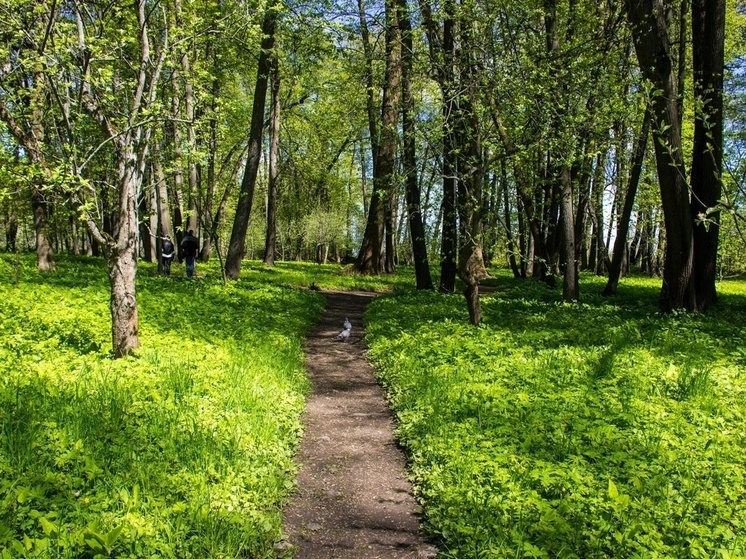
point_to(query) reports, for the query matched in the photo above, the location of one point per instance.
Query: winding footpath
(354, 500)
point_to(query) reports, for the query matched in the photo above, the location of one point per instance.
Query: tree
(708, 44)
(130, 137)
(409, 156)
(270, 244)
(24, 104)
(441, 46)
(620, 243)
(237, 245)
(650, 34)
(370, 257)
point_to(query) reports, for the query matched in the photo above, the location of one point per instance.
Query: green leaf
(94, 541)
(50, 528)
(613, 491)
(113, 535)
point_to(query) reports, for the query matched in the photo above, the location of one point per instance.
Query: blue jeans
(190, 266)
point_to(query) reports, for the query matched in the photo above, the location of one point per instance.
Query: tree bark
(163, 216)
(471, 269)
(237, 244)
(708, 32)
(370, 98)
(570, 286)
(449, 234)
(121, 255)
(620, 242)
(270, 244)
(29, 134)
(423, 279)
(508, 225)
(370, 258)
(650, 32)
(11, 227)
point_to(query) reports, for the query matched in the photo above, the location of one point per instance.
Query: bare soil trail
(353, 500)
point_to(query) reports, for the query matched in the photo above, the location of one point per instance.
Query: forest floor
(354, 500)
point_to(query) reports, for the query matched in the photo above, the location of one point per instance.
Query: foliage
(601, 429)
(182, 451)
(326, 276)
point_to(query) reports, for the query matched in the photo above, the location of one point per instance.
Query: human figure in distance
(189, 247)
(167, 254)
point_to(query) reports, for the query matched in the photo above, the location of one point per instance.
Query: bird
(344, 334)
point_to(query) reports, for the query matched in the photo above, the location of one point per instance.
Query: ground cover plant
(184, 450)
(593, 430)
(327, 276)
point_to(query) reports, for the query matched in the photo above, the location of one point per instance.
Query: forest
(583, 159)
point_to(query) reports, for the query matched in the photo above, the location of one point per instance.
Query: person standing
(189, 247)
(167, 254)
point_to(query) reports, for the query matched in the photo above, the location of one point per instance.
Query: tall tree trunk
(178, 171)
(237, 245)
(708, 32)
(416, 227)
(471, 269)
(30, 136)
(650, 32)
(163, 215)
(681, 57)
(595, 259)
(508, 224)
(441, 45)
(370, 257)
(370, 98)
(270, 243)
(570, 289)
(11, 227)
(122, 259)
(147, 237)
(620, 242)
(44, 251)
(130, 152)
(390, 216)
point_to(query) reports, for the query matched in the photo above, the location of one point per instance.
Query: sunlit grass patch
(183, 450)
(598, 429)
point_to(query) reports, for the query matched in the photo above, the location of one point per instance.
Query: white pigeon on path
(344, 334)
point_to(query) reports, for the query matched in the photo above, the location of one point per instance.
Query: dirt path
(353, 500)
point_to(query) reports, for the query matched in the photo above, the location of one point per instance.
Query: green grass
(600, 429)
(593, 430)
(184, 450)
(326, 276)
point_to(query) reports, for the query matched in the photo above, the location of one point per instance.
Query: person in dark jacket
(167, 254)
(189, 247)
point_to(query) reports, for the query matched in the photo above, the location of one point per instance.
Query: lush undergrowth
(184, 450)
(594, 430)
(326, 276)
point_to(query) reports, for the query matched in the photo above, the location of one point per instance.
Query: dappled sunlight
(596, 428)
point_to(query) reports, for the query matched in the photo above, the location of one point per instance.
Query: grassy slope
(183, 451)
(600, 429)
